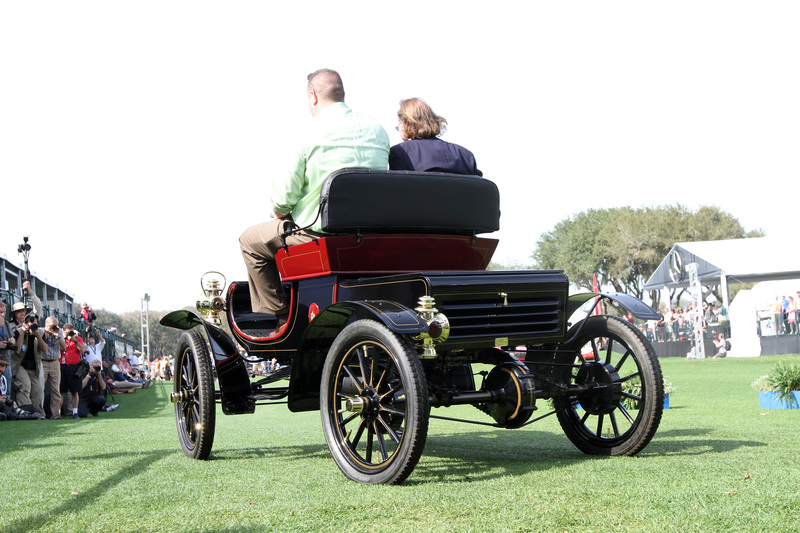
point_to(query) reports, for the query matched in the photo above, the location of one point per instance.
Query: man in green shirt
(338, 138)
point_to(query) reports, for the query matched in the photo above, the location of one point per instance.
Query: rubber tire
(638, 435)
(196, 416)
(399, 356)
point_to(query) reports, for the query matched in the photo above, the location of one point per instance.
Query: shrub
(784, 379)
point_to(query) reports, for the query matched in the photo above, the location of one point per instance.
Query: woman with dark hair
(421, 148)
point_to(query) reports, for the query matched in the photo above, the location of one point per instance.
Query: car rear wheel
(620, 408)
(374, 404)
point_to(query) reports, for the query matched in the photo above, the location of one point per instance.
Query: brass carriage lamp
(438, 326)
(213, 284)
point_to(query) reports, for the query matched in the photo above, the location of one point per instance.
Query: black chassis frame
(491, 313)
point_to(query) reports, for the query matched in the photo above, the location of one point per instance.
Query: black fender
(637, 308)
(234, 379)
(318, 337)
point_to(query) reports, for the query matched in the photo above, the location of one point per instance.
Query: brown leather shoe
(280, 325)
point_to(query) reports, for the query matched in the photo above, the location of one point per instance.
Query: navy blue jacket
(432, 155)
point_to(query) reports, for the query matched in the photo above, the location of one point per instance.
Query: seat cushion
(405, 202)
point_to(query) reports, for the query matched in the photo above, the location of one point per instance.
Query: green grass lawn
(717, 463)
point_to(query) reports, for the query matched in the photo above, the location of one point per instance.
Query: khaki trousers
(259, 245)
(28, 383)
(52, 374)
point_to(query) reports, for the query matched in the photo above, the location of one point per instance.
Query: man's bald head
(327, 85)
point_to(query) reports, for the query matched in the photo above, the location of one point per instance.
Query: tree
(571, 246)
(508, 266)
(624, 246)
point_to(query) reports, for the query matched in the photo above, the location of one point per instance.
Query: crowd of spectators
(50, 371)
(785, 313)
(161, 368)
(677, 323)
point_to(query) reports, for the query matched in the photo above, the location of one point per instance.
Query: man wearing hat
(135, 363)
(26, 361)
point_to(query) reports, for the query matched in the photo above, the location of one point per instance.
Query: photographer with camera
(26, 361)
(51, 366)
(94, 349)
(72, 366)
(86, 313)
(93, 385)
(722, 346)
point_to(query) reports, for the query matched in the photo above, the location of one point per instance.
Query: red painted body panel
(384, 254)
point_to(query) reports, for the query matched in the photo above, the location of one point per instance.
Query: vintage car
(393, 314)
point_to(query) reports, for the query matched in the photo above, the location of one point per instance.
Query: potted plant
(780, 389)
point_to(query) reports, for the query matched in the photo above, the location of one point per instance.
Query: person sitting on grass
(109, 379)
(128, 369)
(123, 381)
(9, 410)
(130, 374)
(136, 365)
(119, 372)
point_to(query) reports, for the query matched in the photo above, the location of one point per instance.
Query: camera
(24, 247)
(53, 328)
(30, 320)
(71, 333)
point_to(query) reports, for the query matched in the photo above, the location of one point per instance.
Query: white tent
(744, 314)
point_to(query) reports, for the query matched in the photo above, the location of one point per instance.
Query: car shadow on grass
(284, 453)
(462, 456)
(493, 453)
(694, 441)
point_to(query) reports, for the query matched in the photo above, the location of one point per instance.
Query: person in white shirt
(94, 351)
(135, 364)
(121, 378)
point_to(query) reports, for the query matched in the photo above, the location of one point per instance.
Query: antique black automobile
(393, 314)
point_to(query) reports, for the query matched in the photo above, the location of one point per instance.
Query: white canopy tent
(738, 260)
(731, 261)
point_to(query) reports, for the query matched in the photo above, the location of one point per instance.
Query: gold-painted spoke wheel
(374, 404)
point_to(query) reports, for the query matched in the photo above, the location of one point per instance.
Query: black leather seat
(360, 201)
